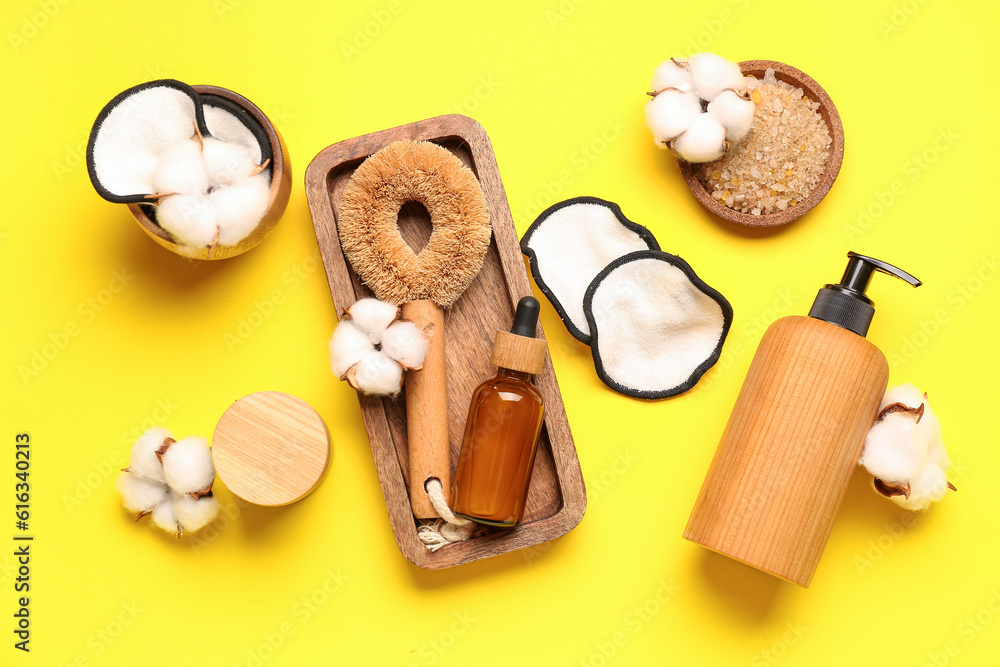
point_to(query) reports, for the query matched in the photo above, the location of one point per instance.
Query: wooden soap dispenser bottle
(796, 432)
(501, 434)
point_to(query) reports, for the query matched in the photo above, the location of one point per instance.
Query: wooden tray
(557, 498)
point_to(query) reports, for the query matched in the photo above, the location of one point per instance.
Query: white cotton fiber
(240, 207)
(187, 466)
(193, 515)
(703, 141)
(180, 169)
(373, 316)
(735, 113)
(671, 75)
(568, 246)
(143, 461)
(139, 494)
(897, 454)
(669, 114)
(348, 345)
(712, 74)
(904, 450)
(225, 163)
(191, 219)
(163, 517)
(225, 126)
(378, 374)
(406, 343)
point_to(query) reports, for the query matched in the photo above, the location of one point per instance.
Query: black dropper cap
(846, 304)
(526, 317)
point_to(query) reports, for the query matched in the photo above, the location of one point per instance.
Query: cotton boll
(704, 141)
(143, 461)
(347, 346)
(180, 169)
(928, 487)
(713, 74)
(373, 316)
(240, 207)
(904, 450)
(163, 517)
(671, 75)
(406, 343)
(225, 162)
(669, 114)
(193, 515)
(376, 373)
(735, 113)
(893, 452)
(187, 466)
(139, 494)
(191, 219)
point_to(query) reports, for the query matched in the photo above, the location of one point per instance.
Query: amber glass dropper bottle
(501, 434)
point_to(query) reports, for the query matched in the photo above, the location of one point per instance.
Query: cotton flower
(371, 347)
(700, 106)
(209, 192)
(904, 450)
(170, 481)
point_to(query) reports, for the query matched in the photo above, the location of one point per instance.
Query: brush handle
(427, 412)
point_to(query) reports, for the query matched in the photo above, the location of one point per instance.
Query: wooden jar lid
(271, 448)
(518, 353)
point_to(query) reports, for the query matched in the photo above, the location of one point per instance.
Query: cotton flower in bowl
(780, 145)
(202, 169)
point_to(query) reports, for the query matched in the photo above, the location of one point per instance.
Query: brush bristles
(431, 175)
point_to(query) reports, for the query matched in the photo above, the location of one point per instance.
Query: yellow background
(559, 86)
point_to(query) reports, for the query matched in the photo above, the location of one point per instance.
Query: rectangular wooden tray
(557, 498)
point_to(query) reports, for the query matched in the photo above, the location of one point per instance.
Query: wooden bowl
(281, 188)
(827, 111)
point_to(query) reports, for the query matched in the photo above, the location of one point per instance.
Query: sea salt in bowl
(280, 190)
(827, 111)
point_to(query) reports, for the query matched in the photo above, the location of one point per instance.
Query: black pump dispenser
(526, 317)
(846, 304)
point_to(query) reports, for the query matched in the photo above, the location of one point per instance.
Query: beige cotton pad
(656, 327)
(570, 243)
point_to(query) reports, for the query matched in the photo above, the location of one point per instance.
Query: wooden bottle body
(786, 457)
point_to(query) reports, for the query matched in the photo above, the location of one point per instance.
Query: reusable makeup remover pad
(139, 124)
(569, 244)
(656, 327)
